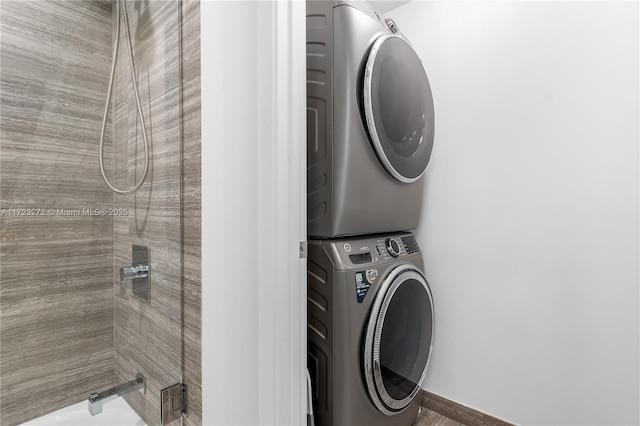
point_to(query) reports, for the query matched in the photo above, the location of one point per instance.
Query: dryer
(370, 324)
(370, 122)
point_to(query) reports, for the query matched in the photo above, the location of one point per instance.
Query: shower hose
(137, 95)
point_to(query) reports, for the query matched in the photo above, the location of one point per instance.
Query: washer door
(398, 107)
(398, 340)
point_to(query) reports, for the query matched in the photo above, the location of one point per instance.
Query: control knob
(392, 247)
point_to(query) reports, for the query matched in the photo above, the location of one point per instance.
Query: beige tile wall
(56, 302)
(191, 209)
(59, 301)
(148, 335)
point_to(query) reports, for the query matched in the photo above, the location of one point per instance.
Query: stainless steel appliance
(370, 329)
(370, 122)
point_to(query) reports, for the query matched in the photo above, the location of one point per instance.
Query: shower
(68, 335)
(137, 96)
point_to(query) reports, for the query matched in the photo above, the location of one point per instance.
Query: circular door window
(398, 108)
(398, 340)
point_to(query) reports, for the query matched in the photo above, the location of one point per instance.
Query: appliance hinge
(303, 249)
(173, 403)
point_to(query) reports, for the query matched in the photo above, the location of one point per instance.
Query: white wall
(253, 213)
(531, 220)
(383, 6)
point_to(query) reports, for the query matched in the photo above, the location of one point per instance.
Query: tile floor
(431, 418)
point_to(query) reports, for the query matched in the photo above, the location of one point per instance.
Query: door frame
(253, 212)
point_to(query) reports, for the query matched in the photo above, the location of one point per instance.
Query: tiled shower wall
(56, 285)
(191, 210)
(57, 288)
(148, 335)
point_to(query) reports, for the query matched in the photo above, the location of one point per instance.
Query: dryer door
(398, 339)
(398, 107)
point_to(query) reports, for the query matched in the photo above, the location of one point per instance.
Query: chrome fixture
(138, 103)
(98, 399)
(132, 273)
(138, 273)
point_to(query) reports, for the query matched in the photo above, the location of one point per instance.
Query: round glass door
(398, 340)
(398, 107)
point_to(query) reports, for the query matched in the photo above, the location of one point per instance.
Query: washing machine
(370, 122)
(370, 329)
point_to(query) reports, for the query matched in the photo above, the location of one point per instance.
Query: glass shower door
(148, 334)
(68, 327)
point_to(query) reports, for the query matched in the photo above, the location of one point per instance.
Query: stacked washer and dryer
(370, 128)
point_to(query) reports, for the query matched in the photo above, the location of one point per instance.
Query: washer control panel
(377, 248)
(410, 244)
(390, 247)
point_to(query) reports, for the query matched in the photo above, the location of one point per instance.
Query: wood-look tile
(191, 210)
(459, 412)
(59, 388)
(56, 302)
(148, 335)
(148, 340)
(49, 158)
(56, 314)
(431, 418)
(153, 221)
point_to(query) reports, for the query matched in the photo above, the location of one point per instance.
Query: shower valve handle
(132, 273)
(139, 273)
